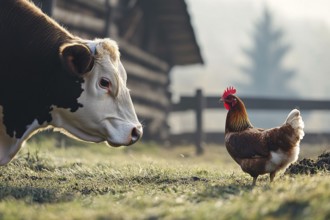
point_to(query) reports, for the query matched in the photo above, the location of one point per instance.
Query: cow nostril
(136, 134)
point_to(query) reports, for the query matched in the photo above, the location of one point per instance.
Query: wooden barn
(153, 36)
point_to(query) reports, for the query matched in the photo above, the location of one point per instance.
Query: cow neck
(31, 70)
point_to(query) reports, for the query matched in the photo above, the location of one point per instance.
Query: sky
(224, 28)
(313, 10)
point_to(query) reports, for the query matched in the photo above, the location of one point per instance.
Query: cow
(50, 78)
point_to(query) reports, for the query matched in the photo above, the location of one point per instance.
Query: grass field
(89, 181)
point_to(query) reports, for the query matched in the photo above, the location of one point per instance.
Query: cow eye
(104, 83)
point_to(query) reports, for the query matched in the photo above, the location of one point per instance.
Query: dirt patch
(309, 166)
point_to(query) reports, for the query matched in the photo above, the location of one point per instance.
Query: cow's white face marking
(108, 113)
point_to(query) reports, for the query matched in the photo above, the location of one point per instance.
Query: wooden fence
(199, 103)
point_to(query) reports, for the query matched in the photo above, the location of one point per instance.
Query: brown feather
(237, 118)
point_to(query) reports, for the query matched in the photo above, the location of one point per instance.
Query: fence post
(200, 104)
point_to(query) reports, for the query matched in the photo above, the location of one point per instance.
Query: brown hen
(260, 151)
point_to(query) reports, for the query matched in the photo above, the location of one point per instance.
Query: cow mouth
(113, 144)
(116, 144)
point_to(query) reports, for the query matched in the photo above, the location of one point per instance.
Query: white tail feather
(295, 120)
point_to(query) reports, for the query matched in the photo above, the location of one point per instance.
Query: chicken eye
(104, 83)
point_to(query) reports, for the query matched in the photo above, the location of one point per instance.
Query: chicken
(260, 151)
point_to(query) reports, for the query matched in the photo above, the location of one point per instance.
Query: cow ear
(77, 58)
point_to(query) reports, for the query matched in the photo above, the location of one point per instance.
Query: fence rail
(211, 102)
(199, 103)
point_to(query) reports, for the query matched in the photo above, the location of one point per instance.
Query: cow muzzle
(123, 134)
(136, 134)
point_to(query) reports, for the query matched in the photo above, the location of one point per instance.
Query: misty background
(225, 31)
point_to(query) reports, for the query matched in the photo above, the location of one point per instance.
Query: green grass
(88, 181)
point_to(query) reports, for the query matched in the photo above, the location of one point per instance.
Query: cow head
(105, 112)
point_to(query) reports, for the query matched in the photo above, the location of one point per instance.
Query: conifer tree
(267, 75)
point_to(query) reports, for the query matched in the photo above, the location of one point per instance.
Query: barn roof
(167, 29)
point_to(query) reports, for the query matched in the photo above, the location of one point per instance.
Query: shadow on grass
(165, 180)
(291, 210)
(223, 191)
(33, 194)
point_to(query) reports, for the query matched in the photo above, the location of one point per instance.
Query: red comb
(229, 91)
